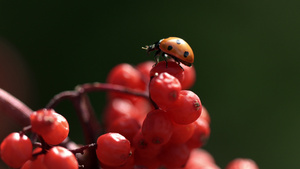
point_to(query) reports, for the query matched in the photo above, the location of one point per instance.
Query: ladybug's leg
(165, 56)
(178, 62)
(157, 56)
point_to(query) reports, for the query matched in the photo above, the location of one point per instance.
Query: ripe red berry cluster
(52, 129)
(166, 129)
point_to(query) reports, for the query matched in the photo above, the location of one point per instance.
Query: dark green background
(247, 57)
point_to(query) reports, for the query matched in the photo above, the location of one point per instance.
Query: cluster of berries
(52, 129)
(166, 129)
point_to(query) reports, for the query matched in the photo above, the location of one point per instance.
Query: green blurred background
(247, 58)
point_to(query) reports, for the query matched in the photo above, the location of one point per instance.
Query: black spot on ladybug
(178, 41)
(186, 53)
(170, 47)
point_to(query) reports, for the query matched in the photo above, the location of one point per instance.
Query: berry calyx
(16, 149)
(113, 149)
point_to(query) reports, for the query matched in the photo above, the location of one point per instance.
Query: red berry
(113, 149)
(143, 148)
(157, 127)
(42, 121)
(173, 69)
(242, 163)
(16, 149)
(145, 68)
(26, 165)
(126, 75)
(182, 133)
(126, 126)
(53, 127)
(118, 108)
(164, 89)
(205, 114)
(186, 109)
(189, 77)
(60, 157)
(174, 156)
(201, 159)
(36, 162)
(128, 165)
(144, 163)
(200, 135)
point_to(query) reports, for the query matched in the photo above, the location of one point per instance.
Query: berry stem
(81, 149)
(85, 112)
(25, 129)
(109, 87)
(14, 108)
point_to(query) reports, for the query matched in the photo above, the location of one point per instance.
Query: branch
(14, 108)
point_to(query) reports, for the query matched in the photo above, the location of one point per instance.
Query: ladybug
(173, 47)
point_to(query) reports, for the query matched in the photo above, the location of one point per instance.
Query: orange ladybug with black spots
(173, 47)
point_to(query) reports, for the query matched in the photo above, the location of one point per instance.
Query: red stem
(81, 149)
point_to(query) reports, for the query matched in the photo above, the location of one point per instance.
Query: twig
(14, 108)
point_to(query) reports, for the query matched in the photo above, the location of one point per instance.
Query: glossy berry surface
(157, 127)
(113, 149)
(173, 69)
(60, 157)
(127, 76)
(201, 159)
(189, 77)
(117, 108)
(144, 68)
(16, 149)
(53, 127)
(36, 161)
(42, 121)
(182, 133)
(200, 135)
(186, 109)
(126, 126)
(242, 163)
(164, 89)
